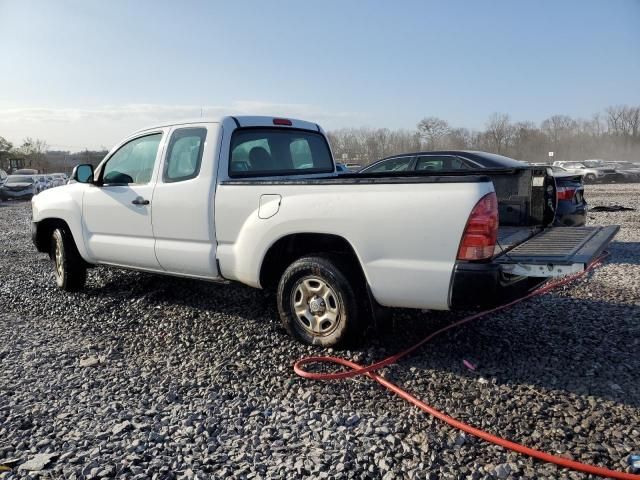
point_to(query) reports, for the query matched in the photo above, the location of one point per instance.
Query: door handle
(140, 201)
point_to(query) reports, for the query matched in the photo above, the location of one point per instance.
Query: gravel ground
(143, 376)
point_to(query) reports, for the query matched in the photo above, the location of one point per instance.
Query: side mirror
(83, 173)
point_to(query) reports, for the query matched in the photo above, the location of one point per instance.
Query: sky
(85, 73)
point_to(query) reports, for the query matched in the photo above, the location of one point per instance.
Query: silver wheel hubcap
(58, 258)
(316, 306)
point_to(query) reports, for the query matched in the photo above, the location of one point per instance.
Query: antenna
(200, 112)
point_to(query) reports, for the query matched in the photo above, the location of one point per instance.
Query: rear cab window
(266, 152)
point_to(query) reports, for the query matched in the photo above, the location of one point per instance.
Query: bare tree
(432, 130)
(33, 150)
(559, 130)
(631, 121)
(499, 132)
(5, 145)
(459, 139)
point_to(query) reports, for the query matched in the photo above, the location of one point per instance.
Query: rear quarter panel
(405, 235)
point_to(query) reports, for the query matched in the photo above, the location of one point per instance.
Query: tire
(328, 308)
(590, 177)
(69, 268)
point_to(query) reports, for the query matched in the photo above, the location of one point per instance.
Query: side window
(259, 152)
(133, 162)
(440, 163)
(184, 154)
(393, 165)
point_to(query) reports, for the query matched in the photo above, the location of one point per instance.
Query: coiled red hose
(356, 369)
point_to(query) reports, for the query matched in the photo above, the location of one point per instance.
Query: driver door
(116, 211)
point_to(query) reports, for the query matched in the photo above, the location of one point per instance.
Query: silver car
(590, 171)
(19, 187)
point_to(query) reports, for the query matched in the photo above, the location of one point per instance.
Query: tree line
(611, 135)
(34, 153)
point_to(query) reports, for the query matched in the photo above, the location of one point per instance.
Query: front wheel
(317, 302)
(590, 177)
(69, 267)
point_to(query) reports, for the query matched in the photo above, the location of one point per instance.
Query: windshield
(19, 179)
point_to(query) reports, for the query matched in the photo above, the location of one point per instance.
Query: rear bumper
(554, 252)
(485, 285)
(569, 214)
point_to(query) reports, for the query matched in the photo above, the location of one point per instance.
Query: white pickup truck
(258, 200)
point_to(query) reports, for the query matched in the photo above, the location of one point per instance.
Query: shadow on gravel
(198, 295)
(584, 347)
(624, 252)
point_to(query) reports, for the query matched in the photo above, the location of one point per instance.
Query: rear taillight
(565, 193)
(282, 121)
(481, 233)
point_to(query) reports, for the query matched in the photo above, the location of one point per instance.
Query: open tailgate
(557, 251)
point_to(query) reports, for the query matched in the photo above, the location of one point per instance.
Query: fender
(63, 203)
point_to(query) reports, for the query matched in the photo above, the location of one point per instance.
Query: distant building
(10, 162)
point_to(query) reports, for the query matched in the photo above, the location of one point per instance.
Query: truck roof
(241, 121)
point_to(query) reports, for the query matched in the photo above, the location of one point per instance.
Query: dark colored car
(571, 208)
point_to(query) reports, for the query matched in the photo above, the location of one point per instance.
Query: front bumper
(7, 194)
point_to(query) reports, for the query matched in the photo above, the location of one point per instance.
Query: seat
(260, 159)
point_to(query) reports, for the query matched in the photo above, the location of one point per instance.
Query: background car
(592, 170)
(25, 171)
(626, 171)
(41, 183)
(571, 207)
(19, 187)
(353, 167)
(59, 179)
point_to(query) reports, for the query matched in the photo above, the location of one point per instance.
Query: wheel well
(288, 249)
(44, 231)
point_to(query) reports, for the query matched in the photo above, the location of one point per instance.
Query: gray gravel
(143, 376)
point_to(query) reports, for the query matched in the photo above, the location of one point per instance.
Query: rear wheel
(69, 267)
(590, 177)
(317, 302)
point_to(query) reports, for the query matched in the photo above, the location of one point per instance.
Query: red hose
(369, 370)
